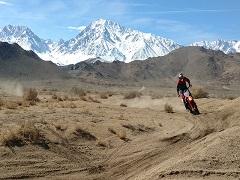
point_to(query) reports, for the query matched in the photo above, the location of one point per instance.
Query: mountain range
(103, 39)
(17, 63)
(204, 66)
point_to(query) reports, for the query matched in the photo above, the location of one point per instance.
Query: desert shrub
(29, 132)
(23, 134)
(110, 94)
(31, 95)
(32, 103)
(140, 128)
(83, 98)
(199, 93)
(60, 127)
(104, 95)
(168, 108)
(129, 126)
(59, 98)
(123, 105)
(83, 134)
(111, 130)
(230, 97)
(132, 95)
(65, 98)
(19, 103)
(1, 102)
(54, 96)
(91, 99)
(11, 138)
(78, 91)
(102, 143)
(122, 135)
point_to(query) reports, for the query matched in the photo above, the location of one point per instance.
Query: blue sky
(183, 21)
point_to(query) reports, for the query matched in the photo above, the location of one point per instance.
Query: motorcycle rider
(182, 87)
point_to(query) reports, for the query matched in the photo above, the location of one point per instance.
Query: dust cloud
(12, 88)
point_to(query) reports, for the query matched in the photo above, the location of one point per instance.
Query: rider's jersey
(182, 84)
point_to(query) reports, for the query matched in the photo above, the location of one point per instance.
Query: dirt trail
(140, 141)
(165, 157)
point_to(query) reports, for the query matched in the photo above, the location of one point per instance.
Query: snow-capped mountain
(102, 38)
(226, 46)
(111, 41)
(24, 37)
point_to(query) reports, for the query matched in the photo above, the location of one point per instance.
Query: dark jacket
(182, 84)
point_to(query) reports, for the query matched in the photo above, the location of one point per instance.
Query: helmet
(180, 75)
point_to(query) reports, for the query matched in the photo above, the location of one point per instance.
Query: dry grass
(24, 134)
(136, 129)
(67, 105)
(168, 108)
(59, 98)
(132, 95)
(31, 95)
(11, 105)
(199, 93)
(15, 104)
(11, 138)
(78, 92)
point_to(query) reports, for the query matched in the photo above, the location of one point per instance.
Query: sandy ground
(82, 139)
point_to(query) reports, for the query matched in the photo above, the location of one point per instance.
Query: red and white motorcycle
(189, 102)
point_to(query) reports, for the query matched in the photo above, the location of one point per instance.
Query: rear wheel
(195, 108)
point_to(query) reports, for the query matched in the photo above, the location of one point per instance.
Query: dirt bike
(189, 102)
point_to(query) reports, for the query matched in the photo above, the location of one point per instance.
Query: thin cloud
(5, 3)
(80, 28)
(186, 32)
(191, 11)
(138, 4)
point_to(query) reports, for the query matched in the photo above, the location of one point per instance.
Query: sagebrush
(168, 108)
(132, 95)
(31, 95)
(199, 93)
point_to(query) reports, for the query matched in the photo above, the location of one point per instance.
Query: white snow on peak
(24, 37)
(226, 46)
(111, 41)
(105, 39)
